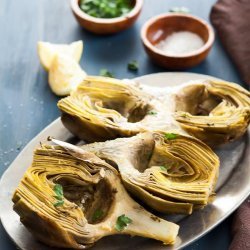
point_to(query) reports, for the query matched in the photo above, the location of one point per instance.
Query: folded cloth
(231, 18)
(241, 228)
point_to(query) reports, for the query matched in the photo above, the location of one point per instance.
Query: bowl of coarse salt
(177, 41)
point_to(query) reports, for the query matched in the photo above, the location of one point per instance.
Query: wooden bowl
(159, 27)
(106, 25)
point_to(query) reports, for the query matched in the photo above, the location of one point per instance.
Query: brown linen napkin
(241, 228)
(231, 19)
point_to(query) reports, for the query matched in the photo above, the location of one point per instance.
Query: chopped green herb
(164, 168)
(133, 65)
(58, 203)
(179, 10)
(152, 112)
(170, 136)
(97, 215)
(106, 8)
(58, 189)
(19, 146)
(106, 73)
(122, 222)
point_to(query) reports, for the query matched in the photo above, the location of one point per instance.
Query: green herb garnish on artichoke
(122, 222)
(170, 136)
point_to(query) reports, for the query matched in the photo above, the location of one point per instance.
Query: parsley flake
(97, 215)
(19, 146)
(122, 222)
(58, 203)
(170, 136)
(133, 65)
(58, 189)
(179, 10)
(106, 73)
(152, 112)
(164, 168)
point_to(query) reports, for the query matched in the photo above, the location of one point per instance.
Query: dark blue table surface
(27, 104)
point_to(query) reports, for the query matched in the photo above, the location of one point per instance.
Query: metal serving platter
(233, 186)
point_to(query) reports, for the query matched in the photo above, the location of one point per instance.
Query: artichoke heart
(70, 198)
(216, 112)
(169, 172)
(106, 108)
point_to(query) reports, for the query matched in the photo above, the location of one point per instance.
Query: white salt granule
(181, 42)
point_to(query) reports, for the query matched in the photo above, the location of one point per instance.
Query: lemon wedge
(65, 74)
(47, 52)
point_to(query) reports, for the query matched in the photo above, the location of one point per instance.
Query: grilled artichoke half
(106, 108)
(70, 198)
(170, 173)
(213, 111)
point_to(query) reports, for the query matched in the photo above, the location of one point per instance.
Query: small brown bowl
(106, 25)
(159, 27)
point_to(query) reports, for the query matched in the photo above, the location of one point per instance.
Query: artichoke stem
(148, 225)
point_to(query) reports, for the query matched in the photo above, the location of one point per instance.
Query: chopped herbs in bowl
(106, 16)
(106, 8)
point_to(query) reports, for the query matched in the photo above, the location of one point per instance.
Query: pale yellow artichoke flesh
(213, 111)
(89, 185)
(170, 175)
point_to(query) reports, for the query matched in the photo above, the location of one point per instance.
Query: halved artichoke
(106, 108)
(70, 198)
(216, 112)
(169, 172)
